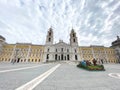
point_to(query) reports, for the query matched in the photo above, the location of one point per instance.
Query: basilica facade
(61, 51)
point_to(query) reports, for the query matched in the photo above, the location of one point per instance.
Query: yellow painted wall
(34, 53)
(98, 52)
(26, 52)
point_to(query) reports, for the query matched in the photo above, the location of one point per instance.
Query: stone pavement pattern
(69, 77)
(66, 77)
(14, 79)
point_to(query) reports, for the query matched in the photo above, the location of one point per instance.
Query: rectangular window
(62, 49)
(67, 50)
(48, 50)
(56, 50)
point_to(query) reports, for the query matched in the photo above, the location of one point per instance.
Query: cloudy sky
(96, 22)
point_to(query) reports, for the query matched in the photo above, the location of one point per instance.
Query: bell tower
(73, 38)
(49, 38)
(75, 56)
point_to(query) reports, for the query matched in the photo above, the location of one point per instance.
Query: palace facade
(61, 51)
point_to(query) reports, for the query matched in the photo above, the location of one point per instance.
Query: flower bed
(91, 67)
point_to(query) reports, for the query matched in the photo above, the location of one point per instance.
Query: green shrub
(92, 67)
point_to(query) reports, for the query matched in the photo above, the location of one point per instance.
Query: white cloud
(29, 20)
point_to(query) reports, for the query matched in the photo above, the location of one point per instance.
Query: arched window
(73, 35)
(50, 34)
(49, 39)
(48, 50)
(73, 40)
(76, 57)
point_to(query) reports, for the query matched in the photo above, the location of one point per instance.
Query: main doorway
(55, 56)
(62, 57)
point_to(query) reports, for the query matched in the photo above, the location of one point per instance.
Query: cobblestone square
(66, 77)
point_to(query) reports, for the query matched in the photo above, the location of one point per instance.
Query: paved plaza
(51, 76)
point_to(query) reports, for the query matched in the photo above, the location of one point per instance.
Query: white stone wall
(64, 51)
(68, 52)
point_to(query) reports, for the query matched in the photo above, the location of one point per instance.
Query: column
(93, 53)
(28, 53)
(13, 53)
(81, 54)
(106, 55)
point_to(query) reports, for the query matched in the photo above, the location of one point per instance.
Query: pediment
(61, 44)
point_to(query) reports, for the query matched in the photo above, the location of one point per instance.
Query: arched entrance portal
(68, 58)
(55, 56)
(62, 57)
